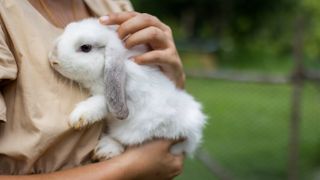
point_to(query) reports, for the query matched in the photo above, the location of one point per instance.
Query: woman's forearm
(151, 160)
(111, 169)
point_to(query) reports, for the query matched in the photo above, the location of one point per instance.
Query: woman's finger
(156, 57)
(117, 18)
(139, 22)
(152, 36)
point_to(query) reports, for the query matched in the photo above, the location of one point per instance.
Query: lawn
(247, 131)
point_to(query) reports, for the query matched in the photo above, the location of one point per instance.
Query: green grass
(247, 131)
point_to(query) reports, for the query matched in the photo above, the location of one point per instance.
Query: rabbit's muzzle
(53, 59)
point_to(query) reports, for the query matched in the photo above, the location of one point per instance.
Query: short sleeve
(125, 5)
(8, 68)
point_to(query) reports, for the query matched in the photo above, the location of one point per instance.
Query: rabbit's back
(157, 109)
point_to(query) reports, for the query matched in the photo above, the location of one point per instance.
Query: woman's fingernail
(104, 19)
(135, 60)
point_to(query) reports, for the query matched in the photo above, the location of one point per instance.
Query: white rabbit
(140, 102)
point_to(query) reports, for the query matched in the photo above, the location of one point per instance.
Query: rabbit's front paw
(88, 112)
(83, 116)
(107, 148)
(78, 119)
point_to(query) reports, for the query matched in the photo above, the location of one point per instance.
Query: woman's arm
(151, 160)
(140, 28)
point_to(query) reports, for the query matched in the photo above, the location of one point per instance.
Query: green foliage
(311, 12)
(239, 17)
(250, 33)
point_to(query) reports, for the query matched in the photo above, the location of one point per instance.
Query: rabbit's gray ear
(115, 78)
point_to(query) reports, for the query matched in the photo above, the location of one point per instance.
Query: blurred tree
(239, 17)
(248, 32)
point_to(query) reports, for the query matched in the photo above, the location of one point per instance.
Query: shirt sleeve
(8, 68)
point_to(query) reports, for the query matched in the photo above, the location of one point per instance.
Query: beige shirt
(35, 103)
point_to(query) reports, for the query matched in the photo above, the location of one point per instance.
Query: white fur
(157, 109)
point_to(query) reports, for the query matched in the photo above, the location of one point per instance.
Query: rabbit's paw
(78, 119)
(87, 112)
(107, 149)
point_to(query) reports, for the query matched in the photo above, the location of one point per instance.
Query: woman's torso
(36, 137)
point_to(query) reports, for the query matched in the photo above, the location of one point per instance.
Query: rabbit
(139, 102)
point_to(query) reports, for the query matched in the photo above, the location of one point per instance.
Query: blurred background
(255, 66)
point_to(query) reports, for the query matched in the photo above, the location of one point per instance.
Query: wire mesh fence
(248, 133)
(260, 126)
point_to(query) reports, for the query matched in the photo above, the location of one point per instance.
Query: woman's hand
(152, 160)
(140, 28)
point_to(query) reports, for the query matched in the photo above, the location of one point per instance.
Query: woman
(35, 103)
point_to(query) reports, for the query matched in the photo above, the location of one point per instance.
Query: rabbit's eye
(86, 48)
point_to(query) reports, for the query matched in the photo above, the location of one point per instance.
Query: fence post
(213, 165)
(298, 77)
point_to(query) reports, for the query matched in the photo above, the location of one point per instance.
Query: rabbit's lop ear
(115, 78)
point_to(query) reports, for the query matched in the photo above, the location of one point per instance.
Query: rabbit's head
(78, 53)
(90, 52)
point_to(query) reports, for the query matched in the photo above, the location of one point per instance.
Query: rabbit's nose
(53, 60)
(53, 57)
(54, 63)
